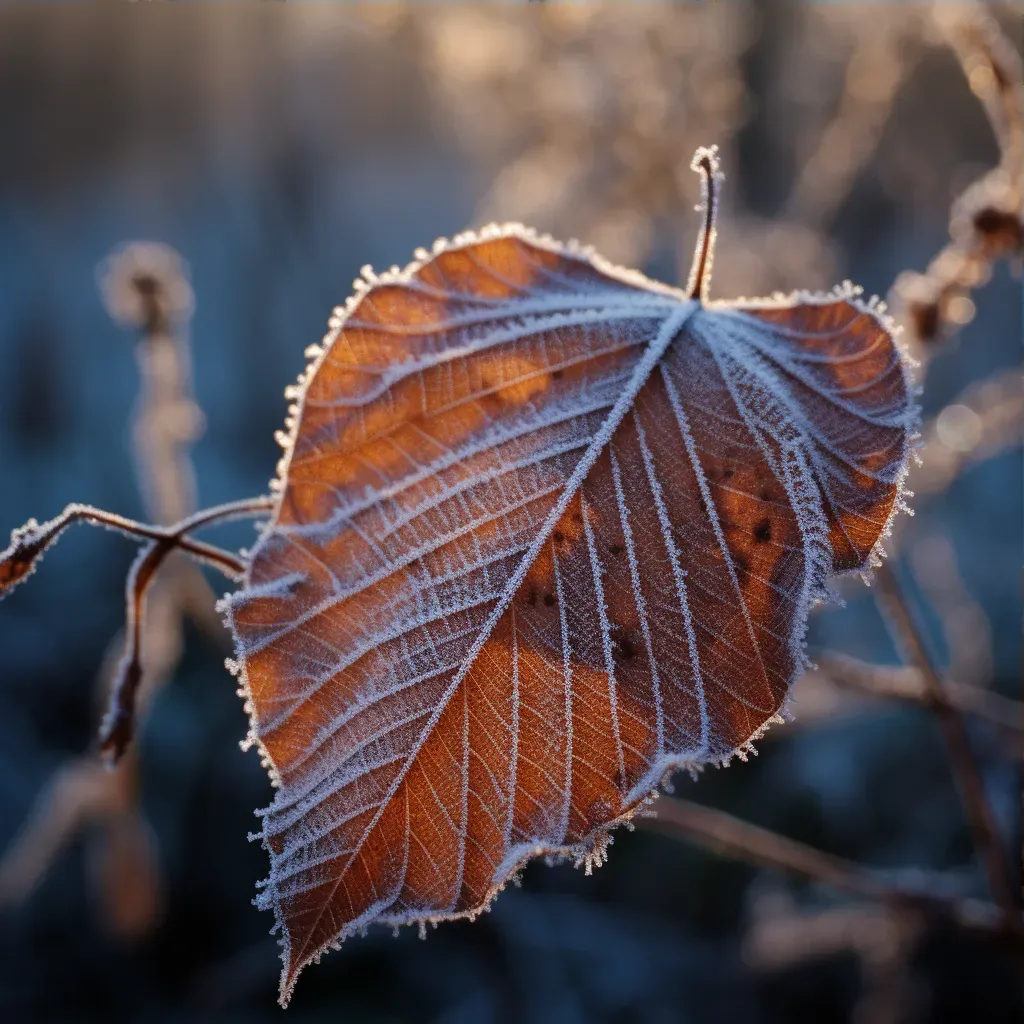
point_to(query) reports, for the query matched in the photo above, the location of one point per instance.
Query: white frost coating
(638, 594)
(455, 534)
(567, 678)
(678, 576)
(606, 641)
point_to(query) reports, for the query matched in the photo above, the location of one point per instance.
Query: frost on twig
(146, 288)
(986, 222)
(907, 683)
(730, 837)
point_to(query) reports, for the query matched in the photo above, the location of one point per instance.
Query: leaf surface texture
(547, 530)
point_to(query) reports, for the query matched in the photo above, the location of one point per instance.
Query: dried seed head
(987, 218)
(145, 286)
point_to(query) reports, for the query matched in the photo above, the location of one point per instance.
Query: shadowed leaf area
(547, 531)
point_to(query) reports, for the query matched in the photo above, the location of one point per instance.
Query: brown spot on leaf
(624, 642)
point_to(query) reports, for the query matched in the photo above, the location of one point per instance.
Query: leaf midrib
(672, 325)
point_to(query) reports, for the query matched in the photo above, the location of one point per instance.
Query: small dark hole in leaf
(623, 645)
(549, 599)
(556, 374)
(728, 472)
(559, 536)
(616, 549)
(763, 531)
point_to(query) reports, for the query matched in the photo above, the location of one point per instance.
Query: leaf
(547, 531)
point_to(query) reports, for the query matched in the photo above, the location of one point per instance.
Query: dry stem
(907, 634)
(730, 837)
(908, 683)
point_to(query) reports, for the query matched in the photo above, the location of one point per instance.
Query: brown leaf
(547, 531)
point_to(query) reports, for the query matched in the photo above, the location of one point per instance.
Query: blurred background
(278, 151)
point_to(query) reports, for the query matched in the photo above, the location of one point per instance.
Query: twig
(705, 162)
(966, 628)
(907, 635)
(783, 935)
(146, 288)
(731, 837)
(908, 683)
(987, 221)
(993, 69)
(118, 726)
(29, 542)
(985, 420)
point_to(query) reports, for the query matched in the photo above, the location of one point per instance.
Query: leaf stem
(705, 163)
(909, 637)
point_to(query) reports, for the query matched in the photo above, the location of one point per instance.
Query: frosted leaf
(546, 531)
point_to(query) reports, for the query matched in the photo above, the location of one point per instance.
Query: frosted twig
(986, 221)
(146, 288)
(29, 542)
(965, 624)
(908, 636)
(993, 69)
(984, 421)
(783, 935)
(705, 162)
(908, 683)
(730, 837)
(118, 726)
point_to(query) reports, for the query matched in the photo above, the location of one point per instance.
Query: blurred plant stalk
(146, 289)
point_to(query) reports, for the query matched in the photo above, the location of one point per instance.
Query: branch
(908, 636)
(146, 288)
(986, 221)
(29, 542)
(908, 683)
(730, 837)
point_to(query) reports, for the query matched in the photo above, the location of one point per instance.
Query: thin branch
(878, 67)
(29, 542)
(908, 683)
(908, 636)
(730, 837)
(119, 724)
(987, 221)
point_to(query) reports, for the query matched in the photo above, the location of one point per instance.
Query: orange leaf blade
(547, 531)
